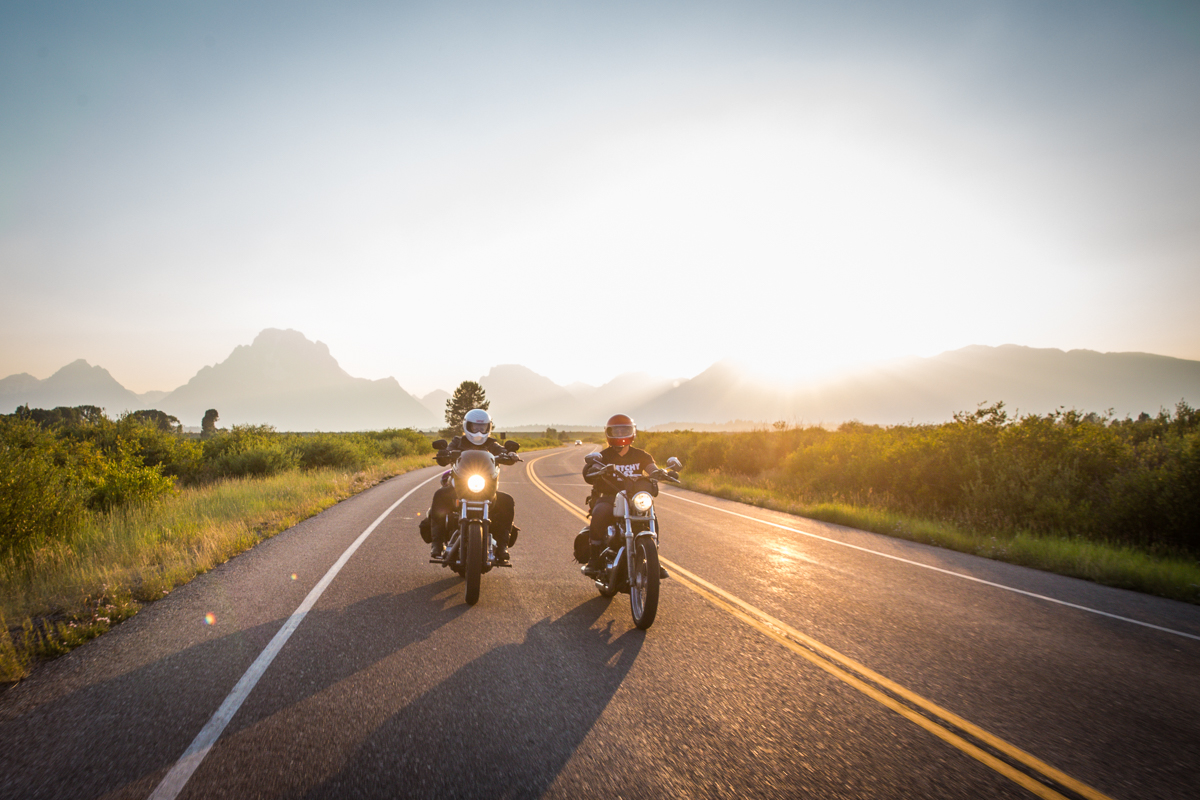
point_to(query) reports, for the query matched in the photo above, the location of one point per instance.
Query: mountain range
(284, 379)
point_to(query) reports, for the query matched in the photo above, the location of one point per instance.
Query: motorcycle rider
(619, 432)
(477, 425)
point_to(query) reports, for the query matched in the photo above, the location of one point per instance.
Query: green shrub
(247, 451)
(41, 496)
(125, 478)
(177, 455)
(329, 450)
(1126, 482)
(709, 454)
(394, 443)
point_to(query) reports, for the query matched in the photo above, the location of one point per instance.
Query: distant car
(578, 442)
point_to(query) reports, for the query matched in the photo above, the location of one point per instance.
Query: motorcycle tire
(426, 528)
(643, 583)
(474, 561)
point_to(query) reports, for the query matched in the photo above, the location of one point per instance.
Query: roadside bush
(1156, 502)
(257, 461)
(124, 478)
(397, 442)
(245, 451)
(41, 497)
(1125, 482)
(328, 450)
(709, 454)
(176, 455)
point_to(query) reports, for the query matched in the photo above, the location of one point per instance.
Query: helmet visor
(477, 427)
(619, 432)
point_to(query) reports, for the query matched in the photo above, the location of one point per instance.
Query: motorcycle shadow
(185, 687)
(503, 725)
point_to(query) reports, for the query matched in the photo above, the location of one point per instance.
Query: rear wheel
(643, 582)
(474, 561)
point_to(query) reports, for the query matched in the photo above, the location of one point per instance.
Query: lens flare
(293, 576)
(210, 618)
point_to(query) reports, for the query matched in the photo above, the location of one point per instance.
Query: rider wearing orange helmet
(620, 432)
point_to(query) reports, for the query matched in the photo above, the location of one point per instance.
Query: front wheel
(643, 582)
(474, 561)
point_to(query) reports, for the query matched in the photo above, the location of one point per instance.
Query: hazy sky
(593, 188)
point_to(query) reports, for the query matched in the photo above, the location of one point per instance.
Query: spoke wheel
(475, 561)
(643, 582)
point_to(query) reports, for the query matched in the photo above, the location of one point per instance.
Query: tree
(468, 395)
(208, 426)
(160, 419)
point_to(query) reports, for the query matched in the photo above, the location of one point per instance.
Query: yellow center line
(844, 668)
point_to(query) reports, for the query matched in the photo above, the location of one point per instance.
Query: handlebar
(609, 470)
(507, 457)
(670, 476)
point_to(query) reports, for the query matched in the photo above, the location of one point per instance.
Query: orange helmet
(619, 430)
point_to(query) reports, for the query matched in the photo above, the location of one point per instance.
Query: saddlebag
(426, 526)
(583, 548)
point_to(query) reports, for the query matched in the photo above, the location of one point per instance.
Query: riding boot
(501, 550)
(438, 537)
(595, 563)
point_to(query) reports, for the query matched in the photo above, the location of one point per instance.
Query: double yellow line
(1010, 761)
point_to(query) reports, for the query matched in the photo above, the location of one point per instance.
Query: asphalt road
(789, 658)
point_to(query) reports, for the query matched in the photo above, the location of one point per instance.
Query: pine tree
(468, 395)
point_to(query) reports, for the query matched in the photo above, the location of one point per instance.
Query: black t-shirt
(634, 462)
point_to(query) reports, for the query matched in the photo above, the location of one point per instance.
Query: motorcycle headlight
(476, 483)
(642, 502)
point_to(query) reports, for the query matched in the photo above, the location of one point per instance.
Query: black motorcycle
(470, 550)
(630, 552)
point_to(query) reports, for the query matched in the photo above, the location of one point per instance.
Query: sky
(587, 189)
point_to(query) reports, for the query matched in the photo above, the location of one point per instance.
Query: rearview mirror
(512, 446)
(674, 463)
(593, 458)
(440, 444)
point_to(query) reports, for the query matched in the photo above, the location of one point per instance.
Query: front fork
(624, 560)
(467, 511)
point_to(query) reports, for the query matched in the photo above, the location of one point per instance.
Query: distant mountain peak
(285, 379)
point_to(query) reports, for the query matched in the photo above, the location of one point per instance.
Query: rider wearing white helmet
(477, 427)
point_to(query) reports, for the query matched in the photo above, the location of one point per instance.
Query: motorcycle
(470, 550)
(630, 555)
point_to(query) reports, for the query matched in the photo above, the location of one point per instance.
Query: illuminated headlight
(476, 483)
(642, 502)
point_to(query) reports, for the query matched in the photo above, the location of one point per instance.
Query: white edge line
(177, 778)
(938, 569)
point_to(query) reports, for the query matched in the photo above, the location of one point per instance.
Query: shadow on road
(104, 737)
(502, 726)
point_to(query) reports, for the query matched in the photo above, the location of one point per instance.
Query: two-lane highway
(789, 658)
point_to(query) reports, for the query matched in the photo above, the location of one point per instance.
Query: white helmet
(477, 425)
